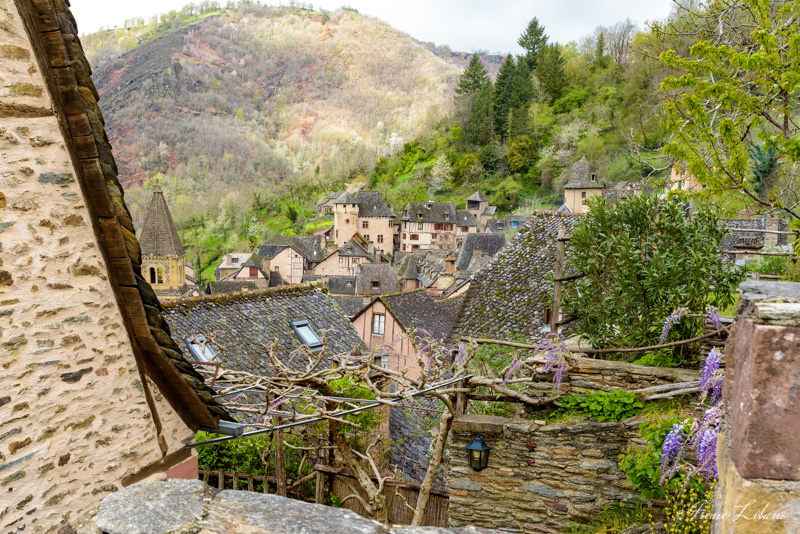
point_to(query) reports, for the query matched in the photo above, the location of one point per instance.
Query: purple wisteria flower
(672, 451)
(555, 357)
(709, 376)
(707, 453)
(713, 314)
(671, 321)
(515, 365)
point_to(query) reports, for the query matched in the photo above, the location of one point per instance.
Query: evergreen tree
(503, 94)
(551, 70)
(599, 61)
(481, 118)
(522, 89)
(533, 40)
(473, 78)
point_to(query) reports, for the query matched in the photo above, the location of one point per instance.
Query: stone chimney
(228, 260)
(265, 265)
(450, 265)
(477, 253)
(773, 224)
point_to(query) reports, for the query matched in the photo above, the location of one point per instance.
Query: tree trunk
(438, 453)
(378, 508)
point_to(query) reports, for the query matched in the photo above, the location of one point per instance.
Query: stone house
(292, 256)
(511, 296)
(345, 260)
(367, 214)
(509, 223)
(326, 206)
(376, 279)
(395, 325)
(746, 244)
(250, 271)
(478, 206)
(428, 225)
(289, 316)
(94, 394)
(163, 255)
(231, 263)
(681, 180)
(582, 184)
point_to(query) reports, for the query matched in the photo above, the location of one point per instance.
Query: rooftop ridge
(293, 289)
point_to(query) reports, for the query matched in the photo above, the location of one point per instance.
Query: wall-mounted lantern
(478, 454)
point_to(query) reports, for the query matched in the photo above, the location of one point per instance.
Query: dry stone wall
(541, 477)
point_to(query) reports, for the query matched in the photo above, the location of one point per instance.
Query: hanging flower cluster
(713, 314)
(555, 352)
(671, 321)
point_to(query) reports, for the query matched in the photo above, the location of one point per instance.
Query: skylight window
(200, 350)
(306, 334)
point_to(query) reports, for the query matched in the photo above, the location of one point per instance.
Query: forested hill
(218, 102)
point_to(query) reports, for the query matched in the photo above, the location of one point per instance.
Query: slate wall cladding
(540, 477)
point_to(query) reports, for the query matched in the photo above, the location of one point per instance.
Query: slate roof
(371, 204)
(433, 212)
(506, 300)
(354, 248)
(465, 218)
(240, 257)
(580, 176)
(159, 236)
(489, 244)
(60, 54)
(410, 272)
(245, 321)
(417, 310)
(351, 306)
(376, 272)
(478, 196)
(458, 284)
(311, 247)
(346, 198)
(507, 223)
(342, 285)
(230, 286)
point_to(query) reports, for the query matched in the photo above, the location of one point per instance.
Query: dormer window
(200, 350)
(234, 259)
(376, 284)
(446, 216)
(419, 215)
(306, 334)
(594, 177)
(405, 213)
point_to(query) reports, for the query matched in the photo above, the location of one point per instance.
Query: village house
(582, 184)
(345, 260)
(250, 270)
(508, 224)
(231, 263)
(326, 206)
(681, 180)
(396, 325)
(94, 393)
(478, 206)
(163, 255)
(511, 297)
(428, 225)
(292, 256)
(365, 213)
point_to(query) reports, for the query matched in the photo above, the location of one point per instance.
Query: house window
(234, 259)
(347, 221)
(583, 194)
(404, 235)
(465, 229)
(306, 334)
(419, 226)
(446, 216)
(380, 238)
(378, 324)
(364, 224)
(514, 224)
(376, 284)
(200, 350)
(366, 237)
(404, 246)
(414, 237)
(594, 176)
(414, 247)
(341, 261)
(419, 215)
(253, 272)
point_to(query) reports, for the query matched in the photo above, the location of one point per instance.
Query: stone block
(479, 424)
(545, 491)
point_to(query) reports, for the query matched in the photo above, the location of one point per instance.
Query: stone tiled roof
(488, 243)
(159, 236)
(410, 272)
(351, 306)
(345, 198)
(342, 285)
(507, 223)
(580, 176)
(230, 286)
(465, 218)
(355, 249)
(507, 299)
(458, 284)
(240, 257)
(452, 306)
(54, 32)
(243, 322)
(478, 196)
(371, 204)
(311, 247)
(417, 310)
(433, 212)
(381, 273)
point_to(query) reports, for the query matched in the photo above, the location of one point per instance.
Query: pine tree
(473, 78)
(533, 40)
(481, 118)
(503, 93)
(599, 61)
(551, 70)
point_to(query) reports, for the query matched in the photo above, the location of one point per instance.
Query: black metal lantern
(478, 454)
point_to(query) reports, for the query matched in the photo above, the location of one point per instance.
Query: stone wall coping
(482, 423)
(581, 364)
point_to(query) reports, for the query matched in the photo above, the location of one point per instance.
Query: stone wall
(191, 506)
(758, 454)
(540, 477)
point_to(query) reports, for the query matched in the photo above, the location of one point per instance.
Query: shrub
(601, 406)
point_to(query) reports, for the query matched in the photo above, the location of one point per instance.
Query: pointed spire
(159, 236)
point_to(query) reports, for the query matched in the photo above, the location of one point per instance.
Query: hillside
(219, 104)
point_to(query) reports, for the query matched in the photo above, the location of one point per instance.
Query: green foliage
(533, 40)
(642, 465)
(601, 406)
(473, 78)
(643, 259)
(783, 266)
(615, 518)
(502, 98)
(689, 507)
(550, 71)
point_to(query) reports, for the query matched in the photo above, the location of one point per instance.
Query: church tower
(163, 256)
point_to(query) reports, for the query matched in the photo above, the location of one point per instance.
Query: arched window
(160, 275)
(152, 275)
